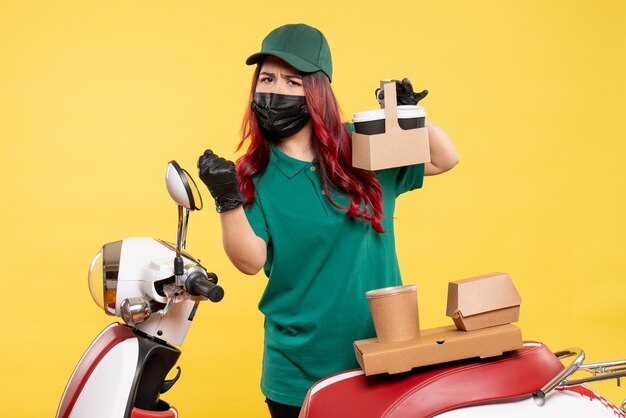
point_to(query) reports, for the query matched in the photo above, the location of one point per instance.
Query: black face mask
(280, 115)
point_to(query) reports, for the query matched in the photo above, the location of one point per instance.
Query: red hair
(333, 148)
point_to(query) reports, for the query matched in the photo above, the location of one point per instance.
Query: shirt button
(313, 168)
(323, 191)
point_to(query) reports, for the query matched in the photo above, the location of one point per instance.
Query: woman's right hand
(245, 250)
(220, 176)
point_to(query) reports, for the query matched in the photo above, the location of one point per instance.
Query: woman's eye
(294, 83)
(267, 80)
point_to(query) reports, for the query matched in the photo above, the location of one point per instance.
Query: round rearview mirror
(181, 187)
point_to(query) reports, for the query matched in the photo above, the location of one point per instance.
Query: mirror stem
(179, 233)
(179, 268)
(184, 235)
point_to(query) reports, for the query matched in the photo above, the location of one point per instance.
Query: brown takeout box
(395, 147)
(434, 346)
(483, 301)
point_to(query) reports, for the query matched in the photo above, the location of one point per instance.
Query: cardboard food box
(483, 301)
(434, 346)
(395, 147)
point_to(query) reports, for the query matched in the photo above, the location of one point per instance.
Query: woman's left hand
(404, 93)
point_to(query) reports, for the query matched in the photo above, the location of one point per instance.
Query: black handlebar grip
(199, 286)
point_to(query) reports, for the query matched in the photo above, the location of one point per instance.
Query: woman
(322, 229)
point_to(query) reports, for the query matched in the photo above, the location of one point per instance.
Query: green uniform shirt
(320, 263)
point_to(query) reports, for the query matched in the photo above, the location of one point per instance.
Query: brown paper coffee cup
(395, 314)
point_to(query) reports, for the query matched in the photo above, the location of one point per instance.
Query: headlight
(103, 273)
(96, 279)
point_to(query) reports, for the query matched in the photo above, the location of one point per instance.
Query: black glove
(404, 93)
(220, 176)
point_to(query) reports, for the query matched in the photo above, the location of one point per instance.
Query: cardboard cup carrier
(395, 314)
(402, 141)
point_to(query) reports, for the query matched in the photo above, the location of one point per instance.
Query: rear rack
(598, 371)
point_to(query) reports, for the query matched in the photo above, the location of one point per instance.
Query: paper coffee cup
(372, 122)
(394, 311)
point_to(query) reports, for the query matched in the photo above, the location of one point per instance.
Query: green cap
(301, 46)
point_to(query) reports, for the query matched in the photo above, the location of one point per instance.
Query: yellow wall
(97, 96)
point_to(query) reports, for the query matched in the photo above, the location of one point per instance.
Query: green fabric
(320, 263)
(301, 46)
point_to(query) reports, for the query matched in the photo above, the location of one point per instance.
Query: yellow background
(96, 97)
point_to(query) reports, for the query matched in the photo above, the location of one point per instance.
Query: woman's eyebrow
(287, 76)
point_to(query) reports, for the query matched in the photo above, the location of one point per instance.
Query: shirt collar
(288, 165)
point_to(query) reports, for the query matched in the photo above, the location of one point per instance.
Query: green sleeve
(404, 179)
(350, 128)
(256, 219)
